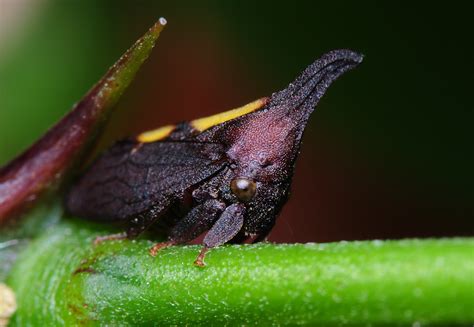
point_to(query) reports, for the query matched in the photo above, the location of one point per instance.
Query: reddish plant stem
(48, 162)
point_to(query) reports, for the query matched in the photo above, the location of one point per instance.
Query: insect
(228, 175)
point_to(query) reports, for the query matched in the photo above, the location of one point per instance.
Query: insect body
(228, 175)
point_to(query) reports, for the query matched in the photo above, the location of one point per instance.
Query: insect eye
(243, 188)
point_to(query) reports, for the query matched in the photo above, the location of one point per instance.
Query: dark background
(388, 153)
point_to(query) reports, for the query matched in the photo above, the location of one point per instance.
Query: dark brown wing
(132, 177)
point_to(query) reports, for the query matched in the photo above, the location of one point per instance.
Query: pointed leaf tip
(156, 29)
(119, 76)
(48, 162)
(162, 21)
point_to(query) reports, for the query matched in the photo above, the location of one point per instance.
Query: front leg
(197, 221)
(228, 225)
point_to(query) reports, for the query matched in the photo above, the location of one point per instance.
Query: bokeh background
(388, 153)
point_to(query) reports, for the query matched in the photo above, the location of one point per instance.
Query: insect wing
(131, 177)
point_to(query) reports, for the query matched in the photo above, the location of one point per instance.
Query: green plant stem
(63, 279)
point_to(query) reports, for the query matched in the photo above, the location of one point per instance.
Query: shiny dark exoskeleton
(230, 179)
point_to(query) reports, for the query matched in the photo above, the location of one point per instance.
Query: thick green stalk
(62, 278)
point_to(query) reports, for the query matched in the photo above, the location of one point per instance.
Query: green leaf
(63, 279)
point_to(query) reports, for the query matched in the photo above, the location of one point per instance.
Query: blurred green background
(388, 153)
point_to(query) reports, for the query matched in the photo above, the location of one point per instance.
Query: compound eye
(243, 188)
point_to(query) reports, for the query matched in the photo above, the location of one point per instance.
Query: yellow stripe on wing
(156, 134)
(202, 124)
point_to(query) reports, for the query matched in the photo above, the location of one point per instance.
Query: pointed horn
(301, 96)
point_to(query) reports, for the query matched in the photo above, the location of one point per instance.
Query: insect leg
(137, 225)
(111, 237)
(226, 227)
(197, 221)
